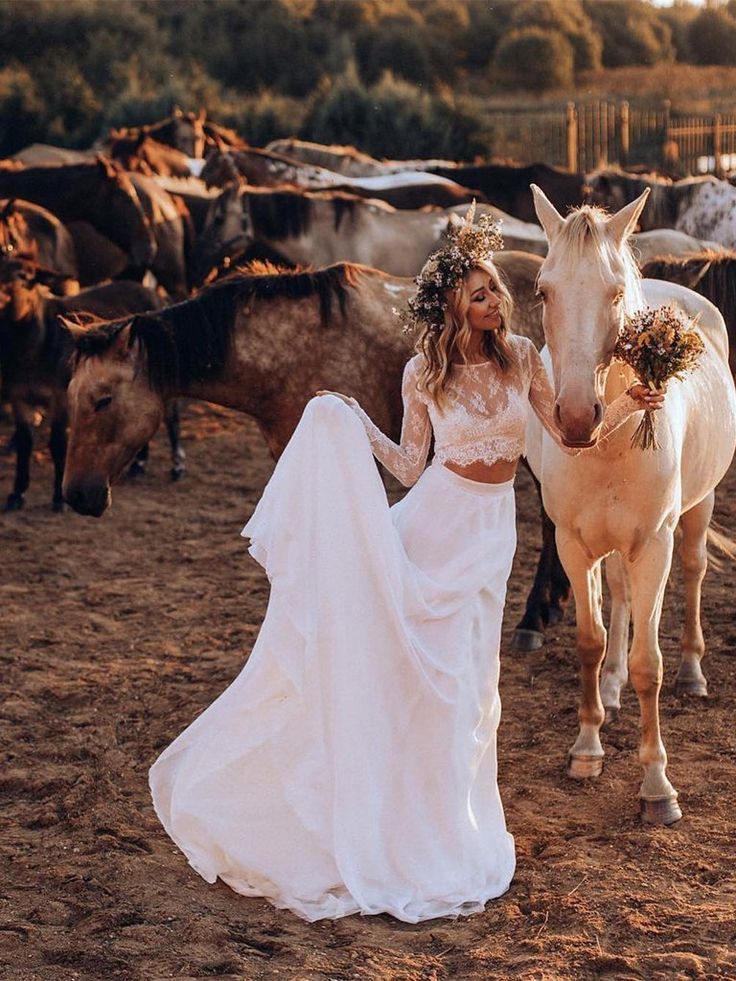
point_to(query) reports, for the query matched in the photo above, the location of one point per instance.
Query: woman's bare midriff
(485, 473)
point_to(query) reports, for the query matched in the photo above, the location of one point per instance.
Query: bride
(351, 766)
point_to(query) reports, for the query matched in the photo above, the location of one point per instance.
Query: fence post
(571, 123)
(717, 144)
(625, 133)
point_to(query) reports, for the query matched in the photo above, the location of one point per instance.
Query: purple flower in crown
(445, 269)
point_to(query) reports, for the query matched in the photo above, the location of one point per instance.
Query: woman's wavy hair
(439, 347)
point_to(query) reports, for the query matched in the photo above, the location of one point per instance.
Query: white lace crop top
(484, 419)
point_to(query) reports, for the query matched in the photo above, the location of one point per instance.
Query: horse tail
(718, 539)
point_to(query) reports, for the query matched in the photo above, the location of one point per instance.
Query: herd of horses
(175, 261)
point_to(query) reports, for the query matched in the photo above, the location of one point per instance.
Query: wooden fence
(590, 134)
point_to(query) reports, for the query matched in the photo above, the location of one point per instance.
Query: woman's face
(484, 312)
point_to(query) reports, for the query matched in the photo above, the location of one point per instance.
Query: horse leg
(529, 632)
(57, 447)
(138, 466)
(615, 672)
(694, 558)
(23, 442)
(559, 593)
(173, 427)
(648, 575)
(585, 759)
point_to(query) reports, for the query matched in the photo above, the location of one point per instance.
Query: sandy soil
(117, 633)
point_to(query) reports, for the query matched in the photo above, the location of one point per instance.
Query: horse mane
(288, 213)
(582, 228)
(191, 341)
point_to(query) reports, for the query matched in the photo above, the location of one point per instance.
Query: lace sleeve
(405, 461)
(542, 399)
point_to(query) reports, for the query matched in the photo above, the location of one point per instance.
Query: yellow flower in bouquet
(659, 343)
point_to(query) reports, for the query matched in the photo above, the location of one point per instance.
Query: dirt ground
(116, 633)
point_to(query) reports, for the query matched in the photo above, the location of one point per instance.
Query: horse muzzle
(90, 497)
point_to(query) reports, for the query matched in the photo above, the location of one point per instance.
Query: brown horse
(35, 350)
(27, 230)
(99, 193)
(182, 130)
(143, 154)
(713, 275)
(260, 343)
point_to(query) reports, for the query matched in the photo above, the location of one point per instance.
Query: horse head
(587, 283)
(227, 232)
(113, 411)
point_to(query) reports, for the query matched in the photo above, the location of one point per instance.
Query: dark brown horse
(30, 231)
(507, 187)
(99, 193)
(35, 350)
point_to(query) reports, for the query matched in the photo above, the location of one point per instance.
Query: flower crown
(445, 269)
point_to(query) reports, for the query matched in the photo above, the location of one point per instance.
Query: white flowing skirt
(351, 766)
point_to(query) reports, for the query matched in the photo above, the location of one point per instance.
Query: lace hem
(489, 453)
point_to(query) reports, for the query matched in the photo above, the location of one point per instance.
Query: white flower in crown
(444, 270)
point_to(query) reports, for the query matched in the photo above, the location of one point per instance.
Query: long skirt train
(351, 766)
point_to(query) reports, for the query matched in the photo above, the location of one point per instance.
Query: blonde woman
(351, 766)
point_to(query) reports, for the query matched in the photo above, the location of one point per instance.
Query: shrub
(534, 58)
(632, 32)
(22, 111)
(569, 19)
(393, 118)
(712, 38)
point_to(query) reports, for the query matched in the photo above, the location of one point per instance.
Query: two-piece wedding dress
(351, 766)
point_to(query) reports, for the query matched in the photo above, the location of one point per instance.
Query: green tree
(568, 18)
(534, 58)
(712, 38)
(632, 32)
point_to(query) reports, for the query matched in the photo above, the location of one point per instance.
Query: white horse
(624, 502)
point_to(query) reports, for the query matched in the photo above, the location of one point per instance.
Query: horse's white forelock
(585, 228)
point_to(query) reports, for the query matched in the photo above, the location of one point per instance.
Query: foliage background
(398, 78)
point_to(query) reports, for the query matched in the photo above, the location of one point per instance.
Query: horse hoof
(58, 507)
(584, 767)
(14, 502)
(691, 686)
(527, 640)
(554, 616)
(177, 473)
(136, 469)
(612, 714)
(663, 810)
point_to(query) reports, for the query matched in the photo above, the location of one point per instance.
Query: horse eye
(540, 295)
(103, 403)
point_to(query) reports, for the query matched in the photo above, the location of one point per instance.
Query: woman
(351, 767)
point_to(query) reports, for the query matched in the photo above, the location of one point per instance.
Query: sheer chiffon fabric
(351, 766)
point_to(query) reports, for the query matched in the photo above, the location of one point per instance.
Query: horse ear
(623, 223)
(106, 165)
(73, 325)
(549, 217)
